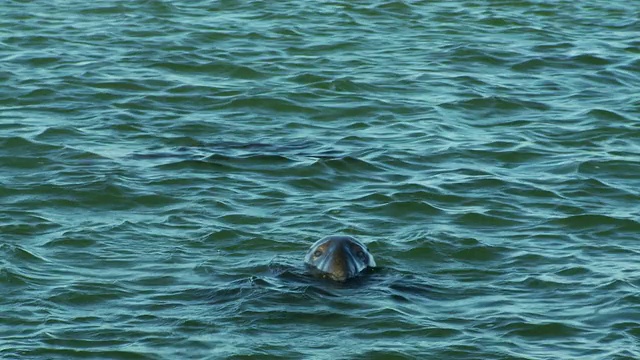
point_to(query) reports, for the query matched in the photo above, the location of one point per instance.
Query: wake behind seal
(338, 258)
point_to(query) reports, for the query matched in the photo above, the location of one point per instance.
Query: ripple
(221, 68)
(71, 240)
(21, 145)
(589, 59)
(10, 278)
(602, 222)
(192, 165)
(22, 224)
(604, 114)
(530, 65)
(87, 294)
(72, 351)
(496, 104)
(54, 133)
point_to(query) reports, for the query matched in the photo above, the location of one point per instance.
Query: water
(166, 165)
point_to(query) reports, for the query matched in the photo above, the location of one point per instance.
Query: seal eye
(317, 253)
(360, 254)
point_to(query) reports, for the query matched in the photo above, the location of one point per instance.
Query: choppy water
(166, 164)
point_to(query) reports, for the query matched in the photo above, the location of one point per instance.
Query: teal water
(166, 164)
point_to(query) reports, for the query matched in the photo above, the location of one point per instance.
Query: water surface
(166, 165)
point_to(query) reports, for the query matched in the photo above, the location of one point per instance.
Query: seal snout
(338, 257)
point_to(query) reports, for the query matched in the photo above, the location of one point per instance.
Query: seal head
(338, 257)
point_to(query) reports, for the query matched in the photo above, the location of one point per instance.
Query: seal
(338, 258)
